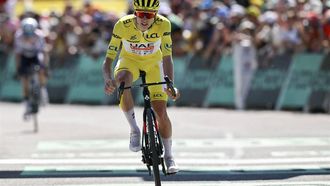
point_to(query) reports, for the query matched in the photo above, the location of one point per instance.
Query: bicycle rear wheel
(35, 123)
(35, 97)
(153, 147)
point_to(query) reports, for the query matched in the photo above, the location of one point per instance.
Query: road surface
(88, 146)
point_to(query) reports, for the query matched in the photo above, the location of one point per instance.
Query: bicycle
(34, 96)
(152, 145)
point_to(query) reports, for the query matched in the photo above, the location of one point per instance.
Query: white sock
(44, 94)
(130, 116)
(168, 147)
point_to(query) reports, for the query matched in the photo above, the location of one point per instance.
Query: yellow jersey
(147, 47)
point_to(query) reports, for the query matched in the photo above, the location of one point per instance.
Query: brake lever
(169, 84)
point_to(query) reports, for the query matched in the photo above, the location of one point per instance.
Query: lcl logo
(153, 35)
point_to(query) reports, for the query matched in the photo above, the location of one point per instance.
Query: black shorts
(26, 63)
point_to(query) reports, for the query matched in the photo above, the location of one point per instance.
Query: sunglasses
(148, 15)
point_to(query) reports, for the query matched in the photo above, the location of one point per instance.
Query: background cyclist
(146, 44)
(30, 50)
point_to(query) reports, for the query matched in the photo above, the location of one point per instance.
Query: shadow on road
(184, 175)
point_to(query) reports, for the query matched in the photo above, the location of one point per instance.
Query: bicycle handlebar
(167, 81)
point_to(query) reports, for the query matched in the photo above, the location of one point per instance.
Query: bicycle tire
(153, 147)
(35, 93)
(35, 123)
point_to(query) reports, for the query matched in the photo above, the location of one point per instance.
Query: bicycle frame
(34, 93)
(34, 88)
(152, 145)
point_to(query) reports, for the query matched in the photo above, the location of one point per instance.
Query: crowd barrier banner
(87, 86)
(221, 90)
(3, 64)
(267, 83)
(59, 83)
(319, 100)
(298, 86)
(11, 88)
(299, 82)
(180, 69)
(195, 87)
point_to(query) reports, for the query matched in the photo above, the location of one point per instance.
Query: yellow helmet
(149, 5)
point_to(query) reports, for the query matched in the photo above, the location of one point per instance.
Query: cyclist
(30, 50)
(146, 44)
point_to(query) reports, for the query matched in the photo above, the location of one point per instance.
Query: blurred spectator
(289, 40)
(202, 29)
(219, 40)
(64, 40)
(265, 37)
(326, 30)
(7, 32)
(252, 14)
(252, 31)
(312, 35)
(181, 47)
(2, 5)
(89, 8)
(245, 61)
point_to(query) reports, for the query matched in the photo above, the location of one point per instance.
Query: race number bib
(142, 49)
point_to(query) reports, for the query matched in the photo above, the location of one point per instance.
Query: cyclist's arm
(113, 49)
(109, 82)
(167, 50)
(168, 67)
(167, 59)
(18, 51)
(107, 69)
(42, 52)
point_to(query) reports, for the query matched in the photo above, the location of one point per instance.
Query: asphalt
(88, 146)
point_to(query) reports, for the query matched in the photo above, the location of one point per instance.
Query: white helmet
(29, 25)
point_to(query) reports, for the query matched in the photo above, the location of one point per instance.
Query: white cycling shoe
(172, 167)
(135, 143)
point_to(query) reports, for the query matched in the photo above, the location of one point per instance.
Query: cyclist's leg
(43, 84)
(127, 72)
(165, 128)
(43, 88)
(23, 74)
(24, 66)
(159, 100)
(25, 87)
(159, 104)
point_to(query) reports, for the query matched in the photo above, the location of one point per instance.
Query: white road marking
(200, 157)
(221, 183)
(127, 154)
(186, 160)
(184, 168)
(299, 153)
(189, 143)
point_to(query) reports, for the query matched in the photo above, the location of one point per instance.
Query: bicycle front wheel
(153, 147)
